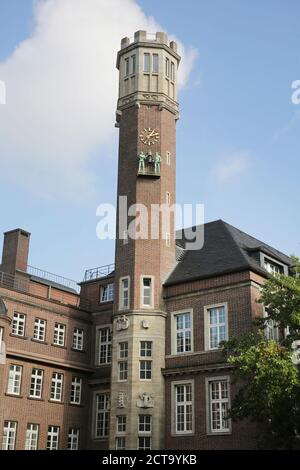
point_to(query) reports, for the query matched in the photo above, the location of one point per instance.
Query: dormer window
(107, 293)
(272, 267)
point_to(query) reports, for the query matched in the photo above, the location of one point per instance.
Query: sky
(238, 142)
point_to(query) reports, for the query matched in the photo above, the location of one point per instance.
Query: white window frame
(122, 306)
(142, 418)
(32, 436)
(59, 337)
(144, 447)
(143, 305)
(207, 325)
(73, 438)
(120, 443)
(265, 259)
(53, 437)
(174, 386)
(57, 382)
(123, 351)
(9, 435)
(121, 424)
(39, 332)
(122, 371)
(19, 324)
(208, 381)
(189, 311)
(107, 293)
(104, 347)
(76, 390)
(36, 383)
(78, 335)
(105, 414)
(14, 379)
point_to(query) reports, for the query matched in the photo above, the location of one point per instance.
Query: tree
(266, 370)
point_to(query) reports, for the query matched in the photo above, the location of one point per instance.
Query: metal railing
(97, 273)
(64, 281)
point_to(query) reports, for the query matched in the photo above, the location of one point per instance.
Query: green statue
(142, 157)
(157, 161)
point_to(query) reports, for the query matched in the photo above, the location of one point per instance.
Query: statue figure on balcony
(157, 161)
(142, 157)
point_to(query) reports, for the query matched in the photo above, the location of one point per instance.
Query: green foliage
(268, 380)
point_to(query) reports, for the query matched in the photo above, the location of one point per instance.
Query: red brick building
(131, 360)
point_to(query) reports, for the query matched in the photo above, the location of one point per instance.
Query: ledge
(38, 341)
(12, 395)
(18, 336)
(58, 346)
(84, 351)
(35, 399)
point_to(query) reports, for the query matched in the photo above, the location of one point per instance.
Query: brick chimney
(15, 251)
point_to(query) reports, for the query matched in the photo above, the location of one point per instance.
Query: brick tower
(147, 112)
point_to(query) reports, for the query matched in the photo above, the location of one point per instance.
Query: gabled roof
(226, 249)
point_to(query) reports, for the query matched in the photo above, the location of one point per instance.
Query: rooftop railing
(97, 273)
(63, 281)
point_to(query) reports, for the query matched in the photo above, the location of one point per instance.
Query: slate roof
(226, 249)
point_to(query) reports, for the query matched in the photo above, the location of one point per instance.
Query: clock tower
(147, 112)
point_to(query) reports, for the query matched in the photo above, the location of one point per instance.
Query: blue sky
(238, 137)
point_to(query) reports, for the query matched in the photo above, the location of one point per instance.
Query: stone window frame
(207, 325)
(208, 380)
(174, 431)
(145, 276)
(174, 331)
(121, 293)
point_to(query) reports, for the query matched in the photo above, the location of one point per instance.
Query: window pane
(146, 62)
(155, 63)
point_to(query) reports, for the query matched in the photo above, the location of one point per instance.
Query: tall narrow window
(271, 329)
(183, 408)
(147, 292)
(36, 383)
(73, 439)
(59, 334)
(56, 386)
(102, 415)
(121, 424)
(39, 332)
(146, 364)
(167, 68)
(107, 293)
(18, 324)
(172, 71)
(133, 64)
(127, 67)
(14, 379)
(76, 390)
(168, 158)
(155, 63)
(32, 436)
(9, 435)
(1, 339)
(122, 363)
(123, 370)
(53, 438)
(183, 332)
(168, 239)
(104, 346)
(78, 339)
(217, 326)
(124, 293)
(168, 198)
(218, 405)
(146, 62)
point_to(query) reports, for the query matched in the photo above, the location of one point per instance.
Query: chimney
(15, 251)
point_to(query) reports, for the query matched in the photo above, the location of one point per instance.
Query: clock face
(149, 136)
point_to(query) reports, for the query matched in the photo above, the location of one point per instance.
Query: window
(121, 424)
(59, 334)
(172, 71)
(9, 435)
(123, 350)
(183, 333)
(32, 436)
(272, 267)
(168, 198)
(167, 68)
(104, 346)
(271, 329)
(127, 67)
(217, 326)
(36, 383)
(218, 405)
(168, 158)
(146, 62)
(168, 239)
(53, 438)
(183, 408)
(145, 422)
(146, 349)
(155, 63)
(78, 339)
(76, 388)
(39, 329)
(144, 443)
(133, 64)
(73, 439)
(1, 339)
(147, 292)
(120, 443)
(107, 293)
(102, 415)
(124, 293)
(146, 365)
(18, 324)
(56, 386)
(123, 370)
(14, 380)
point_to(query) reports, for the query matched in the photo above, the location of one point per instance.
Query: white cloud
(232, 167)
(62, 92)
